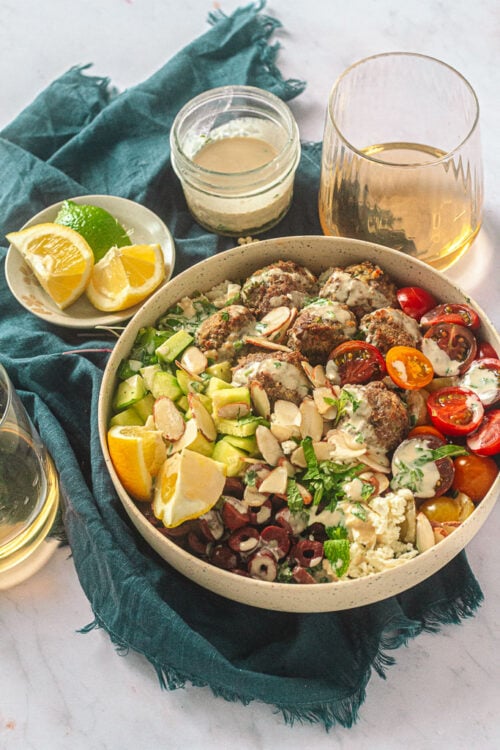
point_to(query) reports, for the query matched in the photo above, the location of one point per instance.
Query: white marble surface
(60, 689)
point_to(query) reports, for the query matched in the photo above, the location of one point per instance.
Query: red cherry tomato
(413, 465)
(408, 367)
(358, 362)
(458, 347)
(474, 475)
(486, 351)
(415, 301)
(486, 440)
(455, 411)
(483, 377)
(452, 312)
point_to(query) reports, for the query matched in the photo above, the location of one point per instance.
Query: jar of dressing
(235, 150)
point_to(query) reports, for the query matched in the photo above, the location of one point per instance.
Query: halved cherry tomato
(452, 312)
(413, 466)
(474, 475)
(458, 347)
(415, 301)
(455, 411)
(486, 440)
(358, 362)
(483, 377)
(408, 367)
(422, 430)
(486, 351)
(446, 509)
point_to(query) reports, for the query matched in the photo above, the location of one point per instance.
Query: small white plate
(143, 226)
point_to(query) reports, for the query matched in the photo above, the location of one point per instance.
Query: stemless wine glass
(401, 161)
(29, 491)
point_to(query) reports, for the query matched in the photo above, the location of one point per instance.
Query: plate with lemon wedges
(88, 261)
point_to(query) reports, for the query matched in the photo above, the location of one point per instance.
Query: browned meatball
(363, 287)
(389, 327)
(379, 416)
(281, 283)
(319, 328)
(280, 374)
(222, 335)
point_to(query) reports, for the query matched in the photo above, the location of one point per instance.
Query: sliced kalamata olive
(244, 540)
(318, 532)
(234, 513)
(301, 575)
(198, 544)
(211, 525)
(261, 514)
(277, 539)
(294, 523)
(263, 565)
(224, 557)
(308, 553)
(234, 487)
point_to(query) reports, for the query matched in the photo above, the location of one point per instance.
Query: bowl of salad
(305, 424)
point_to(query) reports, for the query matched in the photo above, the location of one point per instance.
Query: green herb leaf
(294, 498)
(337, 551)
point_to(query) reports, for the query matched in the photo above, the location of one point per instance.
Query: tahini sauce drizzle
(235, 154)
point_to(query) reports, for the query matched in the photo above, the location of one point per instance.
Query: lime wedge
(101, 230)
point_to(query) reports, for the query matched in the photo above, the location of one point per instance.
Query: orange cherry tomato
(474, 475)
(408, 367)
(426, 429)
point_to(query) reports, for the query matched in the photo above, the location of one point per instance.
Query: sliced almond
(168, 419)
(268, 445)
(192, 375)
(260, 399)
(284, 432)
(287, 413)
(275, 323)
(311, 423)
(194, 360)
(189, 436)
(233, 411)
(323, 398)
(202, 417)
(253, 498)
(343, 445)
(264, 343)
(275, 482)
(425, 533)
(316, 374)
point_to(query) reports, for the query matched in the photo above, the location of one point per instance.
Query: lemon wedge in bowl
(61, 259)
(137, 454)
(187, 486)
(125, 276)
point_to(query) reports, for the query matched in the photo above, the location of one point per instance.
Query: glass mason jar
(401, 159)
(235, 150)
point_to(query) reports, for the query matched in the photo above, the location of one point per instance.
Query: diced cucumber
(238, 427)
(128, 367)
(233, 458)
(221, 370)
(173, 346)
(126, 418)
(144, 407)
(201, 445)
(147, 373)
(182, 403)
(226, 396)
(216, 384)
(129, 392)
(165, 384)
(247, 444)
(187, 384)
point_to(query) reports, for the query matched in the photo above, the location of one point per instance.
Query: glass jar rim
(228, 91)
(4, 377)
(417, 55)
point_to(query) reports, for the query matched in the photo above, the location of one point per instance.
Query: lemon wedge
(60, 258)
(137, 453)
(188, 485)
(125, 276)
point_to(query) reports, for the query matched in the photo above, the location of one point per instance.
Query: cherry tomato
(408, 367)
(455, 411)
(426, 429)
(483, 377)
(486, 440)
(458, 347)
(358, 362)
(474, 475)
(413, 469)
(486, 351)
(446, 509)
(452, 312)
(415, 301)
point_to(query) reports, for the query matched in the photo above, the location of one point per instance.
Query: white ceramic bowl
(317, 253)
(144, 226)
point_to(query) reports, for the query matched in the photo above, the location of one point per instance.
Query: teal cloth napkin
(78, 137)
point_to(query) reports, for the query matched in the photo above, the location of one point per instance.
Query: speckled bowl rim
(317, 253)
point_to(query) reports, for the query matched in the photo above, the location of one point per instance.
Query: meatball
(363, 287)
(222, 335)
(319, 328)
(280, 374)
(389, 327)
(281, 283)
(377, 414)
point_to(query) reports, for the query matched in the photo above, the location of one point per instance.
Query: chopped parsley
(325, 480)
